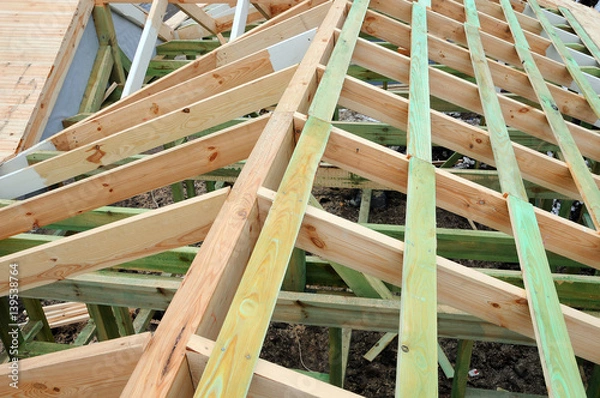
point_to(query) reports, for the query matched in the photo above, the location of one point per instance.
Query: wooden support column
(461, 370)
(35, 313)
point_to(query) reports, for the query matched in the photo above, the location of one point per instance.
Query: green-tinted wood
(572, 66)
(508, 168)
(10, 333)
(295, 276)
(107, 35)
(35, 348)
(35, 313)
(481, 393)
(593, 389)
(461, 370)
(142, 320)
(581, 174)
(325, 101)
(106, 324)
(417, 345)
(556, 353)
(87, 334)
(445, 363)
(336, 363)
(123, 319)
(94, 92)
(419, 124)
(242, 334)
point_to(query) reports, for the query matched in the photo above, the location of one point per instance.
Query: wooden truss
(530, 72)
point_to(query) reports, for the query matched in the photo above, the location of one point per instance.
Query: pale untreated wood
(109, 245)
(36, 65)
(229, 370)
(101, 368)
(208, 153)
(198, 116)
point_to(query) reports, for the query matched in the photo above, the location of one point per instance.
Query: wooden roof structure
(531, 73)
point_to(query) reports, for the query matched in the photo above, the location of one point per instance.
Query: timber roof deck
(39, 38)
(532, 74)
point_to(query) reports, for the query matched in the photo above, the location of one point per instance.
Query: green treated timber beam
(572, 66)
(305, 308)
(94, 92)
(579, 170)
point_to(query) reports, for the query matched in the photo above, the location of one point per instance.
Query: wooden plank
(458, 91)
(492, 26)
(447, 29)
(578, 77)
(97, 84)
(556, 353)
(43, 74)
(55, 260)
(69, 371)
(461, 197)
(460, 137)
(579, 170)
(508, 168)
(199, 15)
(58, 73)
(144, 50)
(463, 362)
(264, 91)
(227, 247)
(584, 36)
(151, 173)
(417, 344)
(269, 379)
(416, 370)
(229, 370)
(495, 301)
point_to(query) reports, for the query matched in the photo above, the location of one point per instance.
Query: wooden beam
(461, 137)
(490, 299)
(57, 75)
(506, 77)
(199, 15)
(101, 368)
(218, 266)
(154, 172)
(264, 91)
(229, 370)
(153, 231)
(461, 197)
(416, 370)
(268, 379)
(579, 170)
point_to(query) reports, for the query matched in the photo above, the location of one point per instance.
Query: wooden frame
(294, 67)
